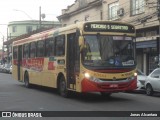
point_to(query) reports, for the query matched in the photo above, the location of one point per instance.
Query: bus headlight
(91, 78)
(132, 77)
(135, 74)
(87, 75)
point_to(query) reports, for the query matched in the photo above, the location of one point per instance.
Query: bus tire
(62, 87)
(105, 94)
(26, 80)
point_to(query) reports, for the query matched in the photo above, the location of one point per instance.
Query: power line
(3, 24)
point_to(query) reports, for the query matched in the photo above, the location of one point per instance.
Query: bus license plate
(114, 85)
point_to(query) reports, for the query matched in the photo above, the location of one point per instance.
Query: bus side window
(60, 45)
(49, 51)
(33, 50)
(15, 52)
(47, 48)
(26, 51)
(40, 48)
(51, 43)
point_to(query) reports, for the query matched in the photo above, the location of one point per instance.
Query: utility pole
(158, 16)
(40, 22)
(3, 49)
(8, 50)
(157, 5)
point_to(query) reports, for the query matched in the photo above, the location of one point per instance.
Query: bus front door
(72, 60)
(19, 64)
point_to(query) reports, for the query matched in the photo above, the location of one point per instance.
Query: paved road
(15, 97)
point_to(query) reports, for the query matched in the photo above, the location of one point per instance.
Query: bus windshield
(108, 51)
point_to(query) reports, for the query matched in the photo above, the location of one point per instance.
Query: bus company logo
(6, 114)
(114, 79)
(21, 114)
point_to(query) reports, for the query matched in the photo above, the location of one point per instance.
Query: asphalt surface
(15, 97)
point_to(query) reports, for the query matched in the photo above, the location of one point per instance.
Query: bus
(90, 56)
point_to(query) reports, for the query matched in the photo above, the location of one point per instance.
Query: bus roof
(47, 33)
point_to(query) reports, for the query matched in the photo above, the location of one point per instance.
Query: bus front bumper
(108, 86)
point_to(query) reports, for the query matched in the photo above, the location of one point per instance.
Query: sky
(18, 10)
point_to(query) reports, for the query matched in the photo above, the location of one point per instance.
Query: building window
(137, 6)
(101, 15)
(14, 29)
(75, 21)
(82, 3)
(64, 25)
(86, 18)
(113, 8)
(28, 29)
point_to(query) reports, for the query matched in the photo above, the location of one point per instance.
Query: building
(3, 54)
(141, 13)
(17, 29)
(81, 10)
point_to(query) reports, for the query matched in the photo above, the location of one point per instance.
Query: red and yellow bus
(95, 56)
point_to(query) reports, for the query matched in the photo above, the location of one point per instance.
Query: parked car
(141, 78)
(1, 68)
(10, 70)
(152, 83)
(6, 68)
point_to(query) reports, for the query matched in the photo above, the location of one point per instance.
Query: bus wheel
(26, 80)
(62, 88)
(105, 94)
(149, 90)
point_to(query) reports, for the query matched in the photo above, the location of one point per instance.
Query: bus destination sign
(108, 27)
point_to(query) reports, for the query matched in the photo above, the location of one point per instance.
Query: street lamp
(24, 13)
(40, 15)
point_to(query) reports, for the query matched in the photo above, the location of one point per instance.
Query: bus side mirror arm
(81, 43)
